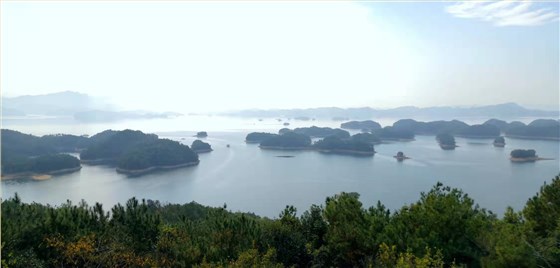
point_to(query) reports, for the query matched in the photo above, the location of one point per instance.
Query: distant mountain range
(81, 107)
(506, 110)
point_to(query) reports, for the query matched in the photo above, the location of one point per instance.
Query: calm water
(249, 179)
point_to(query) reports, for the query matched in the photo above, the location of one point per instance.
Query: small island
(258, 137)
(201, 134)
(162, 154)
(520, 155)
(286, 124)
(336, 145)
(287, 141)
(284, 131)
(446, 141)
(201, 147)
(499, 142)
(400, 156)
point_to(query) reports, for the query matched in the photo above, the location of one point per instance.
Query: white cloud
(503, 13)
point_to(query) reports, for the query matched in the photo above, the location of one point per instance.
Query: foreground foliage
(443, 228)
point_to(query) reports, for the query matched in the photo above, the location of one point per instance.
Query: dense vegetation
(40, 164)
(321, 132)
(290, 140)
(366, 137)
(28, 153)
(446, 140)
(161, 152)
(500, 140)
(17, 144)
(394, 133)
(257, 137)
(443, 228)
(480, 131)
(368, 124)
(519, 153)
(334, 144)
(111, 145)
(535, 132)
(200, 146)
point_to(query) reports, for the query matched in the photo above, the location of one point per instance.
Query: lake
(249, 179)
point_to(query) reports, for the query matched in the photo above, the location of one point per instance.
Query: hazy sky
(215, 56)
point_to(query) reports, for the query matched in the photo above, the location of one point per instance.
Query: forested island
(480, 131)
(368, 125)
(539, 129)
(201, 147)
(258, 137)
(499, 142)
(28, 156)
(444, 228)
(132, 152)
(336, 145)
(108, 146)
(446, 141)
(520, 155)
(394, 134)
(201, 134)
(287, 141)
(321, 132)
(160, 154)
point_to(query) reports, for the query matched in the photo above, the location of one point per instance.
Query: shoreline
(346, 152)
(528, 159)
(138, 172)
(500, 145)
(285, 148)
(39, 176)
(447, 146)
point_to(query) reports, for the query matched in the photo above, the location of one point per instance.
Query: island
(394, 134)
(520, 155)
(446, 141)
(321, 132)
(108, 148)
(287, 141)
(364, 125)
(201, 134)
(286, 124)
(538, 129)
(366, 137)
(161, 154)
(336, 145)
(40, 167)
(400, 156)
(201, 147)
(499, 142)
(25, 155)
(500, 124)
(258, 137)
(480, 131)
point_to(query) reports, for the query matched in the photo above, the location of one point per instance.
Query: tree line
(444, 228)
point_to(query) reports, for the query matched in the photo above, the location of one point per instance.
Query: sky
(222, 56)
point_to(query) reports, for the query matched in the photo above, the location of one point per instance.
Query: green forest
(444, 228)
